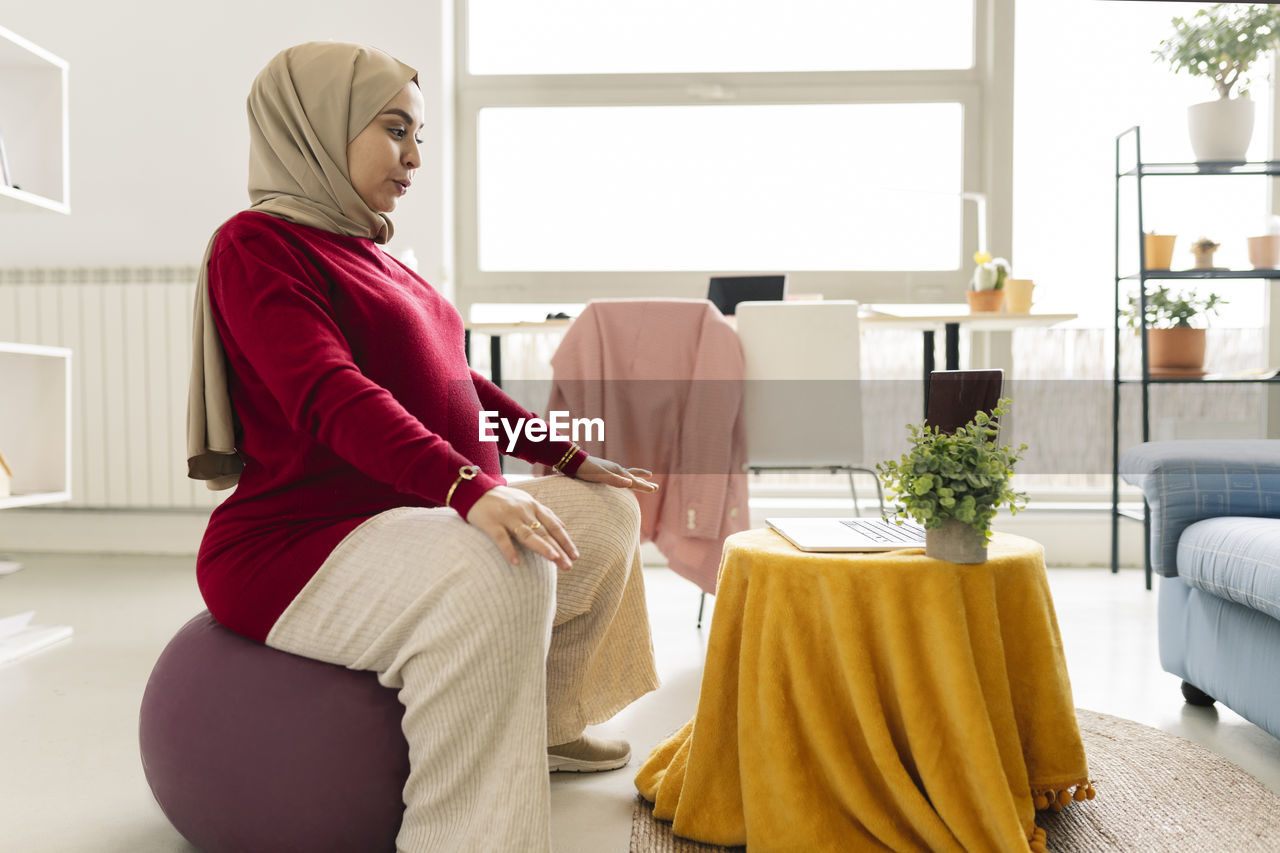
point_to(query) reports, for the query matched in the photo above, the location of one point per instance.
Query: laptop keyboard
(883, 532)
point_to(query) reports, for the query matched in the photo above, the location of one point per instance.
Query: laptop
(848, 534)
(726, 291)
(955, 396)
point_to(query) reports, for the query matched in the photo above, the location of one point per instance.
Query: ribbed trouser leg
(601, 656)
(428, 602)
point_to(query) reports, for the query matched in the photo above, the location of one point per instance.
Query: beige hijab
(304, 108)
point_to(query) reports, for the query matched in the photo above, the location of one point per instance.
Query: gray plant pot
(955, 542)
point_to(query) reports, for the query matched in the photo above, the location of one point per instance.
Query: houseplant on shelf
(986, 288)
(1221, 43)
(953, 483)
(1203, 249)
(1174, 346)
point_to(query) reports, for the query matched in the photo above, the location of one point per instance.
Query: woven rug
(1156, 791)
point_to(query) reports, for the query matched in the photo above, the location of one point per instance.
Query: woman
(371, 527)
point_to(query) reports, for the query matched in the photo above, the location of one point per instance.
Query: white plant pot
(1221, 129)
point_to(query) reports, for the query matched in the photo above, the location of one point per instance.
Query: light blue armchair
(1215, 542)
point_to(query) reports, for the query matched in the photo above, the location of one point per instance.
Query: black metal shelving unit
(1138, 172)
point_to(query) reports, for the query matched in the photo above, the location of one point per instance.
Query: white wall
(159, 139)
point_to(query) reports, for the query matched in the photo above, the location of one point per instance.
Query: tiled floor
(71, 782)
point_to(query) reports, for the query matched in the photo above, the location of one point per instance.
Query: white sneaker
(588, 755)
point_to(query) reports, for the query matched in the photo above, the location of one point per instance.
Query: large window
(791, 187)
(632, 148)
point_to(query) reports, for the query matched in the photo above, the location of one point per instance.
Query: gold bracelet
(466, 472)
(568, 455)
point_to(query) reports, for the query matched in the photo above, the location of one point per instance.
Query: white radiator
(129, 329)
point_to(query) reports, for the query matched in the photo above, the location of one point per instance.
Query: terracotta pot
(1177, 349)
(984, 301)
(1264, 252)
(1159, 250)
(955, 542)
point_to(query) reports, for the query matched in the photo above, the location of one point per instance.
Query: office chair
(802, 403)
(666, 376)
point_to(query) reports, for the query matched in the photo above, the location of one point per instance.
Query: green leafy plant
(1169, 310)
(964, 475)
(1221, 43)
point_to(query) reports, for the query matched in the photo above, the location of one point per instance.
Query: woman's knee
(618, 508)
(523, 593)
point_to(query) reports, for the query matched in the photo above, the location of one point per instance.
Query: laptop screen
(726, 291)
(955, 396)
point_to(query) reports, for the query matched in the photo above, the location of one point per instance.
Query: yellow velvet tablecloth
(874, 701)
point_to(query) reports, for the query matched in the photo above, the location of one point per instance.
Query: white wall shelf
(34, 127)
(35, 381)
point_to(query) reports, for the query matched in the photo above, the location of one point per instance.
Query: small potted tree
(1175, 347)
(953, 484)
(1222, 43)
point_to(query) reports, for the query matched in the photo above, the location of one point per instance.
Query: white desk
(929, 317)
(950, 317)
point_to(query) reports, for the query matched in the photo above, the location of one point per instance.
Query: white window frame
(985, 93)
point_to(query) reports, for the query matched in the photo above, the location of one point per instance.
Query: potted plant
(1203, 249)
(953, 483)
(986, 288)
(1221, 43)
(1174, 346)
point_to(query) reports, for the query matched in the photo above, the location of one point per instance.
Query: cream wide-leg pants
(493, 662)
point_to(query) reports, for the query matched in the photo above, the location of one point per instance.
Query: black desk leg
(495, 359)
(928, 366)
(953, 346)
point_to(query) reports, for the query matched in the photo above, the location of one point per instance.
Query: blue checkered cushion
(1234, 558)
(1187, 481)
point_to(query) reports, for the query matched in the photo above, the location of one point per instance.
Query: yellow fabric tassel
(1038, 841)
(1058, 799)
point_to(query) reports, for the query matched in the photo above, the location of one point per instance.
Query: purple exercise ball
(252, 750)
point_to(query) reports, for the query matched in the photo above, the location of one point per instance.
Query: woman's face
(383, 157)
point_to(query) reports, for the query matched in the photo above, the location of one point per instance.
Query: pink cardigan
(665, 375)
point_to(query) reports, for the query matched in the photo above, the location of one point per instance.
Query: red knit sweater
(352, 395)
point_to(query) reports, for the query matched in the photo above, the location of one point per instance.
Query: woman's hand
(597, 470)
(509, 515)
